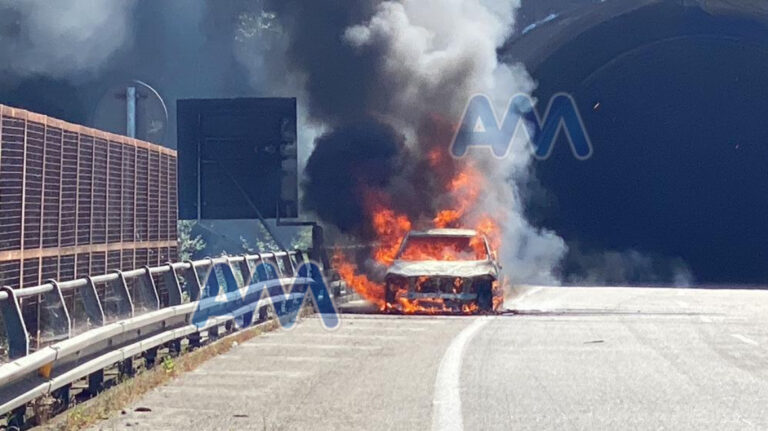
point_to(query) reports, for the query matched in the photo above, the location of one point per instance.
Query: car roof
(445, 232)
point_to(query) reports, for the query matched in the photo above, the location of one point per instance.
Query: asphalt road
(571, 359)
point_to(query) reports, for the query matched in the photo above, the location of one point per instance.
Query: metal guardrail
(127, 319)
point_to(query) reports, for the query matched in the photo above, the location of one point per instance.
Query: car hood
(443, 268)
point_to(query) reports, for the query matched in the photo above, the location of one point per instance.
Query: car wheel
(485, 297)
(389, 295)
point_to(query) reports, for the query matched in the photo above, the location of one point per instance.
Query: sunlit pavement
(570, 358)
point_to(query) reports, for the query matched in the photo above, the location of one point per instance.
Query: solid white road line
(385, 328)
(346, 328)
(446, 403)
(254, 373)
(320, 336)
(745, 339)
(313, 358)
(312, 346)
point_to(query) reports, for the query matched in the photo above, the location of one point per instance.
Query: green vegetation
(302, 240)
(188, 245)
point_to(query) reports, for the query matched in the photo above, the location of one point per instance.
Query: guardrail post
(299, 258)
(195, 340)
(291, 266)
(125, 368)
(253, 278)
(270, 269)
(211, 289)
(55, 316)
(262, 272)
(194, 288)
(96, 382)
(174, 347)
(276, 266)
(211, 282)
(247, 318)
(150, 358)
(62, 395)
(16, 330)
(172, 284)
(230, 281)
(17, 417)
(148, 296)
(245, 270)
(259, 271)
(213, 333)
(117, 302)
(92, 303)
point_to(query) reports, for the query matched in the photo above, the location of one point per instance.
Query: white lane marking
(446, 402)
(286, 358)
(745, 339)
(305, 358)
(373, 328)
(314, 346)
(255, 373)
(321, 336)
(230, 357)
(193, 388)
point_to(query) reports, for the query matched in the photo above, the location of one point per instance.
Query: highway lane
(573, 358)
(623, 359)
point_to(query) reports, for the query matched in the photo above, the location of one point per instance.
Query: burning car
(443, 270)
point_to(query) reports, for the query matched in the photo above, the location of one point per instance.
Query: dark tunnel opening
(674, 99)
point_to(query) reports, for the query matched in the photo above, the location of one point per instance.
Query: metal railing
(125, 317)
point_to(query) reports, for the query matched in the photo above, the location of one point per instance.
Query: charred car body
(443, 270)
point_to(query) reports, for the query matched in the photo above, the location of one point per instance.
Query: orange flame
(390, 227)
(445, 249)
(366, 288)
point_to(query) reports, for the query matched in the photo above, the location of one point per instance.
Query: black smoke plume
(347, 163)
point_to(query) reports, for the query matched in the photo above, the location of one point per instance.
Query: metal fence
(68, 308)
(76, 201)
(125, 314)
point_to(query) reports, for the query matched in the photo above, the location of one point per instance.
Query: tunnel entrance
(675, 99)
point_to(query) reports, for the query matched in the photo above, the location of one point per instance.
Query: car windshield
(443, 248)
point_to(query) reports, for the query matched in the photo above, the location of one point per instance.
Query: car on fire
(443, 270)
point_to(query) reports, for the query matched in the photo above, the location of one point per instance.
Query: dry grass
(129, 391)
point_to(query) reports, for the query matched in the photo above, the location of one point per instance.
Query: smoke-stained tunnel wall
(675, 97)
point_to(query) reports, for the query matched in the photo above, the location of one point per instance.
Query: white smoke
(627, 268)
(435, 55)
(63, 38)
